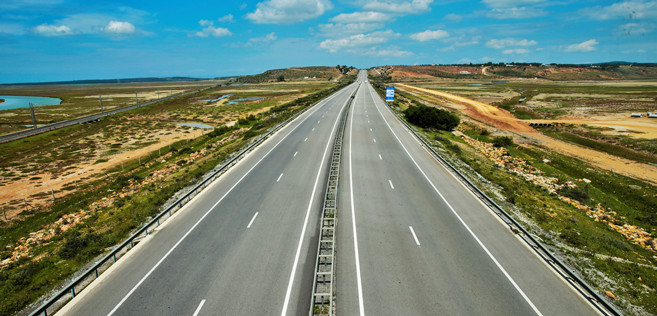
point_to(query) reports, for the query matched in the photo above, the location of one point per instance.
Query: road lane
(234, 269)
(466, 262)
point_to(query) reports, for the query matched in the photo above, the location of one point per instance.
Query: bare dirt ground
(83, 172)
(636, 127)
(506, 121)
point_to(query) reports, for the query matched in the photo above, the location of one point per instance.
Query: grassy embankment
(607, 259)
(110, 209)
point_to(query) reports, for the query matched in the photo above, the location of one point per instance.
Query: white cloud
(429, 35)
(509, 42)
(211, 30)
(358, 40)
(342, 29)
(633, 9)
(53, 30)
(226, 18)
(214, 31)
(95, 23)
(509, 3)
(119, 27)
(515, 51)
(399, 7)
(515, 13)
(366, 16)
(586, 46)
(288, 11)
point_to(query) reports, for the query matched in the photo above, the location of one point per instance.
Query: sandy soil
(82, 172)
(506, 121)
(636, 127)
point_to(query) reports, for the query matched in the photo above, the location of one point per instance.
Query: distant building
(464, 72)
(636, 115)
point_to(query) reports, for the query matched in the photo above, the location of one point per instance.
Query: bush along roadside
(47, 248)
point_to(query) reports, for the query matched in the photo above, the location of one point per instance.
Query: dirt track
(506, 121)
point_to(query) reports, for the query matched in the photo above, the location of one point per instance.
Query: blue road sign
(390, 94)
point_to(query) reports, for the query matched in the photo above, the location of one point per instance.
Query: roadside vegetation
(46, 245)
(600, 222)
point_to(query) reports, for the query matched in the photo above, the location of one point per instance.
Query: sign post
(390, 94)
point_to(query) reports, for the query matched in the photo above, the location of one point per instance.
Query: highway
(245, 246)
(411, 240)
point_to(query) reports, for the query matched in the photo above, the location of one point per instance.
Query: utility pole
(4, 213)
(53, 194)
(33, 116)
(136, 101)
(100, 100)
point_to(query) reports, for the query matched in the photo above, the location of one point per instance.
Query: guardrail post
(73, 291)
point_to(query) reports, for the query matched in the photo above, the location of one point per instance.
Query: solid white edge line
(391, 186)
(305, 222)
(208, 212)
(198, 309)
(279, 177)
(414, 236)
(253, 219)
(490, 255)
(359, 282)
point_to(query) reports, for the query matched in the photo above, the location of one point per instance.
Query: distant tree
(281, 78)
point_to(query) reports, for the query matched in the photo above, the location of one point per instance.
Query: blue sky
(50, 40)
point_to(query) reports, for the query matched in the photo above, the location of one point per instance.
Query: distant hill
(105, 81)
(601, 71)
(294, 73)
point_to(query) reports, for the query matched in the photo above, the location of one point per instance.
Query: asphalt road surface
(245, 246)
(411, 240)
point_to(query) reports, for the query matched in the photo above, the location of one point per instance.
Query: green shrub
(430, 117)
(502, 141)
(575, 194)
(76, 244)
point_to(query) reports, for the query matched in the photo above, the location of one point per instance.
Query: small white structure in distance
(636, 115)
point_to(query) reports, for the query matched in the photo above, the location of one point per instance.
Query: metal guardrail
(88, 118)
(593, 296)
(322, 296)
(79, 283)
